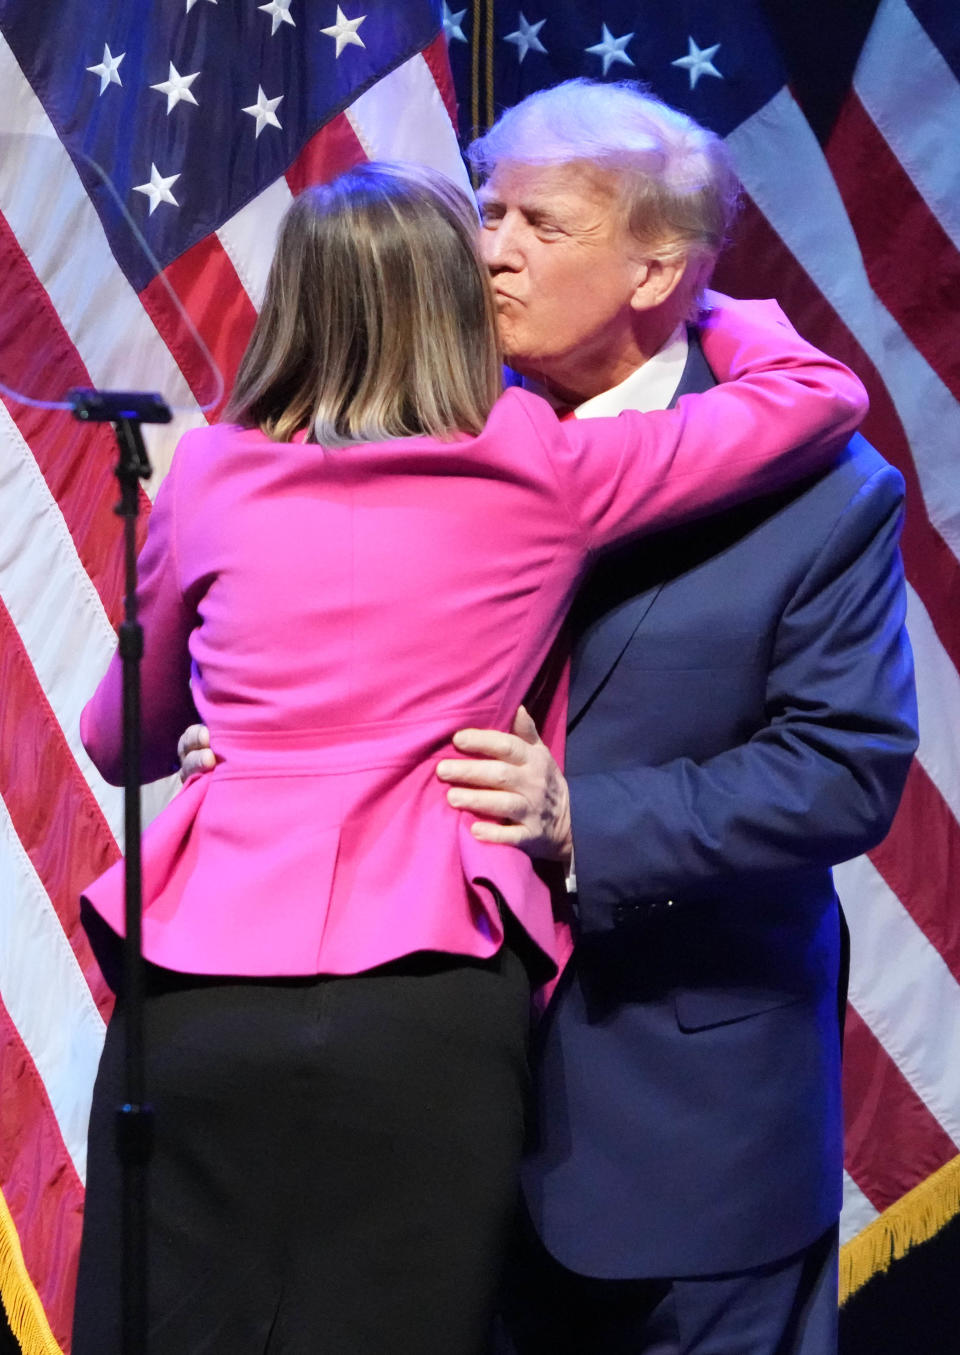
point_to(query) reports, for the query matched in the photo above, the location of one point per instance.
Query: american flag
(207, 116)
(843, 121)
(844, 124)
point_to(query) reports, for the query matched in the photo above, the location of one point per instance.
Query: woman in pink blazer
(377, 551)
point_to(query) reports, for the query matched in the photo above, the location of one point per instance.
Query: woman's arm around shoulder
(782, 412)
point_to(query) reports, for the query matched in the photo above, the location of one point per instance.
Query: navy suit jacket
(742, 717)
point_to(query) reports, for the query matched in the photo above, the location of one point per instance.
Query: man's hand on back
(514, 785)
(193, 750)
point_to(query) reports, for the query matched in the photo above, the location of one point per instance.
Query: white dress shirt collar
(650, 386)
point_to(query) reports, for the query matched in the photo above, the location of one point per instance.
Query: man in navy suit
(741, 718)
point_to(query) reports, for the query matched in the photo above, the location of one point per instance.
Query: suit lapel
(604, 624)
(597, 649)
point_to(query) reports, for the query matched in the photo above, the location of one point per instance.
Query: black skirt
(334, 1164)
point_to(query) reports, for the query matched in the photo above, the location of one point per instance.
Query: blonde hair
(378, 320)
(677, 185)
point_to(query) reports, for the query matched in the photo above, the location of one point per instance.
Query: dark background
(914, 1309)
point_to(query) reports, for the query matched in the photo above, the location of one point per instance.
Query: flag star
(698, 61)
(526, 38)
(107, 70)
(345, 31)
(191, 3)
(279, 11)
(177, 87)
(263, 110)
(452, 22)
(158, 189)
(611, 49)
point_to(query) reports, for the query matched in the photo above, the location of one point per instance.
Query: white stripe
(774, 151)
(903, 990)
(903, 81)
(56, 610)
(938, 701)
(44, 201)
(857, 1210)
(44, 991)
(403, 117)
(249, 237)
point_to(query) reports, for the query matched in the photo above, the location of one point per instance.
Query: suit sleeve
(785, 412)
(167, 620)
(817, 784)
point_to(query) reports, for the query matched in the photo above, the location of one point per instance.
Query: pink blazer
(335, 615)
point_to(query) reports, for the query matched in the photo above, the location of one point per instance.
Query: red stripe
(53, 811)
(208, 288)
(910, 260)
(759, 264)
(437, 58)
(40, 1184)
(892, 1141)
(920, 860)
(332, 150)
(76, 460)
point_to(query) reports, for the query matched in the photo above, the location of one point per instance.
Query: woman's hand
(194, 751)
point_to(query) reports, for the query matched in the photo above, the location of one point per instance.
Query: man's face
(564, 271)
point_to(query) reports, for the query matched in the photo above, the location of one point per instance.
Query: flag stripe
(900, 77)
(761, 255)
(57, 612)
(404, 118)
(205, 284)
(918, 877)
(903, 245)
(51, 808)
(775, 149)
(439, 66)
(76, 460)
(64, 1033)
(857, 1211)
(53, 604)
(895, 997)
(938, 700)
(912, 1146)
(40, 1185)
(332, 150)
(249, 237)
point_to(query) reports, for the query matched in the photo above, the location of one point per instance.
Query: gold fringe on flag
(916, 1217)
(482, 37)
(21, 1302)
(475, 39)
(491, 35)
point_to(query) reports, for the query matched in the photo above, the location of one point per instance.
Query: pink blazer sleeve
(166, 703)
(786, 411)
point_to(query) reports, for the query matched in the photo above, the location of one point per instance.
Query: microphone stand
(126, 411)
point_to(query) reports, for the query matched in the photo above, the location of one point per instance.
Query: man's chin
(522, 363)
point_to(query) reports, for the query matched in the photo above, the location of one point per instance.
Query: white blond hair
(677, 185)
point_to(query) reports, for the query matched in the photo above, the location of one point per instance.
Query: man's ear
(656, 282)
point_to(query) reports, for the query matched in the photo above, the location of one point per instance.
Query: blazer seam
(174, 478)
